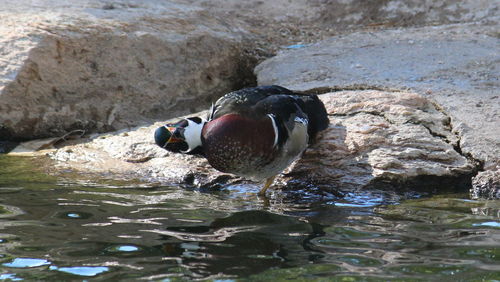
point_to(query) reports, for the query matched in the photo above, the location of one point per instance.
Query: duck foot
(268, 183)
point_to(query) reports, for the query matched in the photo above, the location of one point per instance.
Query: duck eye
(179, 132)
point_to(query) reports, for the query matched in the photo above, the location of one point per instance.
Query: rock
(293, 23)
(87, 66)
(455, 65)
(389, 13)
(132, 154)
(379, 138)
(486, 185)
(107, 65)
(7, 146)
(29, 147)
(376, 138)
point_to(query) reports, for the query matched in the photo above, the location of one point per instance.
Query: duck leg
(268, 183)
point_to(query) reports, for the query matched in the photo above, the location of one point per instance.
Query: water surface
(60, 228)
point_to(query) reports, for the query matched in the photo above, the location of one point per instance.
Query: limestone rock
(288, 22)
(134, 155)
(374, 137)
(389, 13)
(106, 65)
(455, 65)
(486, 185)
(97, 67)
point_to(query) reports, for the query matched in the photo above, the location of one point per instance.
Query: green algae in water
(17, 172)
(360, 261)
(25, 172)
(312, 272)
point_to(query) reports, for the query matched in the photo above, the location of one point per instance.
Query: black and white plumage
(253, 132)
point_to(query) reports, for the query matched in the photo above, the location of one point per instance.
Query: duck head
(183, 136)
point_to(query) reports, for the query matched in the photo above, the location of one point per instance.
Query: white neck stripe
(275, 127)
(192, 134)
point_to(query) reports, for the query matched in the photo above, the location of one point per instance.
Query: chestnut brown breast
(235, 144)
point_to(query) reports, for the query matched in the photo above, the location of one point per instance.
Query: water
(62, 228)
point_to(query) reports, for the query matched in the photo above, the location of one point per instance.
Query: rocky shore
(412, 90)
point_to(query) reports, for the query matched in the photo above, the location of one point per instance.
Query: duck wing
(241, 101)
(285, 105)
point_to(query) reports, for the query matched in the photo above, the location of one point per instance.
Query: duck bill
(172, 138)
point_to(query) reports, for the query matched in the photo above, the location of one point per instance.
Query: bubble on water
(76, 215)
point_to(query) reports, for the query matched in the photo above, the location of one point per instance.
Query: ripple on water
(26, 263)
(9, 211)
(10, 190)
(123, 249)
(362, 200)
(9, 277)
(488, 223)
(90, 231)
(82, 270)
(358, 260)
(35, 262)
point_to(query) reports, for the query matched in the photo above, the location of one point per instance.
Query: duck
(254, 133)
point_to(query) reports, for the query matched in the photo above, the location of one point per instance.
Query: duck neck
(192, 135)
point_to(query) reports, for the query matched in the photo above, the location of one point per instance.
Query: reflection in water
(124, 248)
(488, 223)
(117, 233)
(81, 270)
(26, 262)
(219, 235)
(65, 231)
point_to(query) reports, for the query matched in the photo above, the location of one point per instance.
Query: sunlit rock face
(376, 138)
(455, 66)
(97, 67)
(106, 65)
